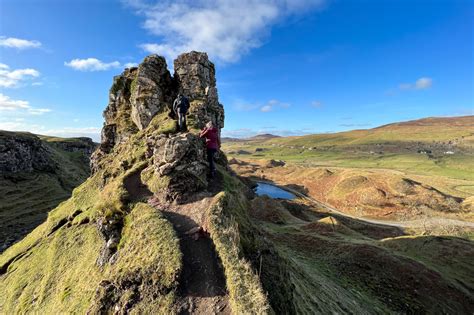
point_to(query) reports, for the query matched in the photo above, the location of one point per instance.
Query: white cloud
(38, 111)
(91, 64)
(423, 83)
(11, 105)
(420, 84)
(266, 108)
(269, 106)
(18, 43)
(12, 78)
(94, 64)
(225, 29)
(6, 103)
(130, 64)
(272, 104)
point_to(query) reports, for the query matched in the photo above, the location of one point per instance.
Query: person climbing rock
(213, 142)
(180, 108)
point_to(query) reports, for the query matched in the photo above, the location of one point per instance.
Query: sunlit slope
(459, 130)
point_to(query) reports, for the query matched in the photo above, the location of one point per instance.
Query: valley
(399, 183)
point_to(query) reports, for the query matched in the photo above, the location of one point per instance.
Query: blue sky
(283, 67)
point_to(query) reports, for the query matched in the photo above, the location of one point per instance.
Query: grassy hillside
(438, 151)
(27, 196)
(45, 271)
(459, 130)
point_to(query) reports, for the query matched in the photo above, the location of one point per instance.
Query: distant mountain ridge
(259, 137)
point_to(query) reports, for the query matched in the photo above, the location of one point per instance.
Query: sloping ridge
(148, 232)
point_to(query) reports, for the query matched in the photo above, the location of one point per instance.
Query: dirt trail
(202, 282)
(202, 287)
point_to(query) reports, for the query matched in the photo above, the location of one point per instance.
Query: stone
(275, 163)
(151, 90)
(139, 94)
(181, 158)
(195, 76)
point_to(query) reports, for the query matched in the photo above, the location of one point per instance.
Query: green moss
(246, 293)
(133, 85)
(154, 182)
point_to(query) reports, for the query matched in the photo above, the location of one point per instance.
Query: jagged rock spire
(140, 93)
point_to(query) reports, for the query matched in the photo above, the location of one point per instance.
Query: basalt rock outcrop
(23, 153)
(151, 91)
(141, 100)
(195, 76)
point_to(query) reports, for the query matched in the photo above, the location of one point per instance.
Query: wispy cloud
(18, 43)
(94, 64)
(316, 104)
(6, 103)
(12, 78)
(420, 84)
(272, 105)
(130, 65)
(91, 64)
(243, 106)
(21, 106)
(225, 29)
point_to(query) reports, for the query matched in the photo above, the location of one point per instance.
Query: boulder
(182, 160)
(274, 163)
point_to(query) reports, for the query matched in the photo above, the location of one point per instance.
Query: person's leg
(185, 128)
(210, 159)
(180, 121)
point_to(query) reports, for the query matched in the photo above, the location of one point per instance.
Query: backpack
(182, 105)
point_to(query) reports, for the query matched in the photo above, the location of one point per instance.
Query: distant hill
(449, 130)
(262, 137)
(36, 174)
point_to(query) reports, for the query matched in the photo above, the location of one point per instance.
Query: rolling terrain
(156, 235)
(36, 174)
(412, 170)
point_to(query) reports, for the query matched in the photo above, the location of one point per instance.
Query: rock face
(195, 76)
(82, 144)
(181, 160)
(118, 125)
(151, 91)
(143, 96)
(23, 153)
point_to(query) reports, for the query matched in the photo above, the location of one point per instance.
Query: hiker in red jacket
(213, 143)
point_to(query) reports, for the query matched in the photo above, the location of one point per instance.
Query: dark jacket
(181, 105)
(212, 138)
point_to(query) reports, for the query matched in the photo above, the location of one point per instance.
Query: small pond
(272, 191)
